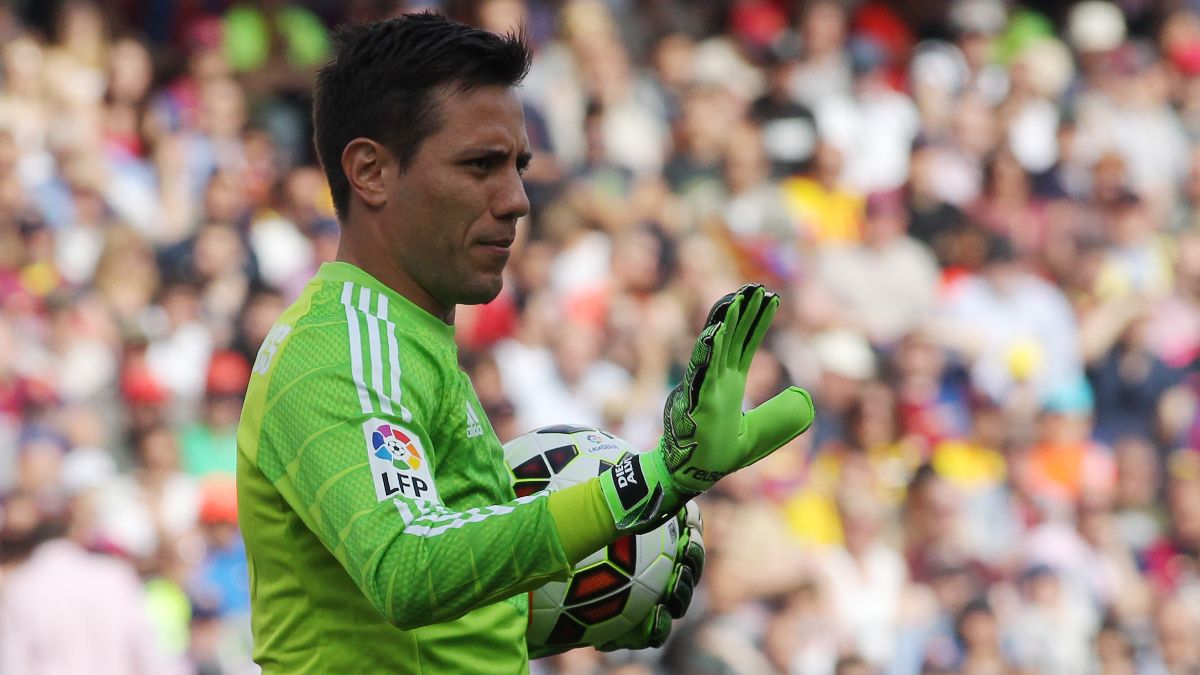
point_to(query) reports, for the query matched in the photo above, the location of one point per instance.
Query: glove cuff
(639, 492)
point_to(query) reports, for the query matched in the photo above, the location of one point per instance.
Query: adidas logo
(474, 426)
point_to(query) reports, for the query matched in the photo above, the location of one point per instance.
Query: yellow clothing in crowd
(826, 216)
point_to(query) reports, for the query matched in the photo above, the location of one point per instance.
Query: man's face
(451, 216)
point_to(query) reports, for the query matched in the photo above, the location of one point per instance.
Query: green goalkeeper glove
(675, 600)
(689, 565)
(705, 434)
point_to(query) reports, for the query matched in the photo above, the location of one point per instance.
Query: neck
(374, 261)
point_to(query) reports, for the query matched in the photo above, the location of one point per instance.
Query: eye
(481, 163)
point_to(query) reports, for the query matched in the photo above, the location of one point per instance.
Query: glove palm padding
(674, 603)
(705, 434)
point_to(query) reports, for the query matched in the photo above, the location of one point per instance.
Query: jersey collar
(338, 271)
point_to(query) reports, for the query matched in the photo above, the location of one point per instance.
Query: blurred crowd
(983, 220)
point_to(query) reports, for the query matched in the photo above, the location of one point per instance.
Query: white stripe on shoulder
(356, 364)
(381, 310)
(364, 306)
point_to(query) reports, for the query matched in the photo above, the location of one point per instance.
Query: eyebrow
(495, 153)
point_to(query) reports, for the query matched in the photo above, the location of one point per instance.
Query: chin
(481, 293)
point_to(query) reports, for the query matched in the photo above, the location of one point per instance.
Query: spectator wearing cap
(887, 285)
(1063, 462)
(844, 361)
(209, 445)
(219, 585)
(40, 455)
(1132, 116)
(144, 397)
(1050, 631)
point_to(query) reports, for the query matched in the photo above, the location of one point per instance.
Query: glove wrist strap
(639, 493)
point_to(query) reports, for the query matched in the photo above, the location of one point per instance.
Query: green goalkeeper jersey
(382, 532)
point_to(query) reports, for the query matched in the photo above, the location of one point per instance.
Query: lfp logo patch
(394, 445)
(399, 465)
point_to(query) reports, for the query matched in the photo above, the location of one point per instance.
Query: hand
(689, 565)
(706, 435)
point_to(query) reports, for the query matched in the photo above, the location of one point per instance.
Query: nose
(510, 202)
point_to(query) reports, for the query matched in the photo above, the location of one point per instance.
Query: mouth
(502, 241)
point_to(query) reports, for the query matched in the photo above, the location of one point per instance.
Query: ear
(367, 164)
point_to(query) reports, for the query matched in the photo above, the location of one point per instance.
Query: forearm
(442, 564)
(582, 519)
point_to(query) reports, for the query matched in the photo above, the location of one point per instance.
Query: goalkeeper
(381, 528)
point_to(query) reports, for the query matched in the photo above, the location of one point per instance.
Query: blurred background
(982, 218)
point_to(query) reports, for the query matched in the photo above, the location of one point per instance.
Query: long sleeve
(408, 517)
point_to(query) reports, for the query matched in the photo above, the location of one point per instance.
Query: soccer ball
(615, 588)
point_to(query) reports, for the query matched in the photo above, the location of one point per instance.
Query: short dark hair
(381, 81)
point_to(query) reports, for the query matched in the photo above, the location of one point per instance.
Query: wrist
(582, 520)
(639, 492)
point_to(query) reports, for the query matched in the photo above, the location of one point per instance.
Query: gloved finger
(702, 356)
(758, 330)
(693, 557)
(691, 544)
(777, 421)
(542, 651)
(658, 627)
(692, 518)
(711, 372)
(741, 329)
(733, 316)
(716, 314)
(651, 632)
(678, 596)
